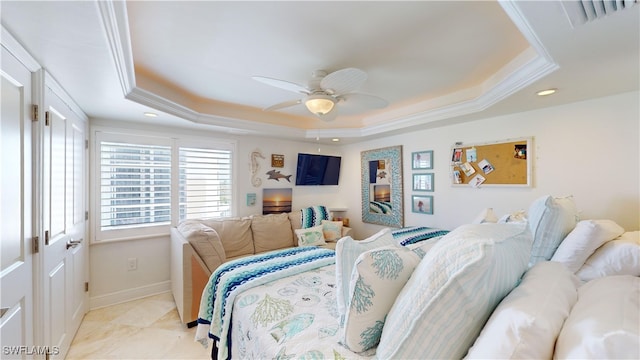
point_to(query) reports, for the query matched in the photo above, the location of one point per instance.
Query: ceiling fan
(326, 90)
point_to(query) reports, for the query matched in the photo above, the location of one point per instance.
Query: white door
(65, 250)
(16, 210)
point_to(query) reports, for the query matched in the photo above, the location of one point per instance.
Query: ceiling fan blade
(353, 103)
(283, 105)
(286, 85)
(330, 116)
(343, 81)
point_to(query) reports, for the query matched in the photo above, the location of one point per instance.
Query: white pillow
(332, 230)
(550, 220)
(603, 324)
(486, 216)
(347, 251)
(377, 278)
(620, 256)
(527, 322)
(312, 236)
(516, 217)
(454, 289)
(583, 240)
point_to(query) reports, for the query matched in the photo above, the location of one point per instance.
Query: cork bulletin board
(502, 163)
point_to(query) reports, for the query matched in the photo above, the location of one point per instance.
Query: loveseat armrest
(189, 276)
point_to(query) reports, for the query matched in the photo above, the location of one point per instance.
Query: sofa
(199, 246)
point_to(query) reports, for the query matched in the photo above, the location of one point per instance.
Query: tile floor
(147, 328)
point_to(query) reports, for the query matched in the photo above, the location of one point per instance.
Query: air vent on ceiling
(583, 11)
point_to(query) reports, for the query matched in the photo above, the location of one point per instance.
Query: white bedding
(294, 317)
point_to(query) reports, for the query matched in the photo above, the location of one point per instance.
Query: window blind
(135, 185)
(205, 182)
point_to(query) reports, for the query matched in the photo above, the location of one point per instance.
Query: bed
(467, 288)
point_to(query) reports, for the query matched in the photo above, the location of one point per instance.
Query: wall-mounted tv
(314, 169)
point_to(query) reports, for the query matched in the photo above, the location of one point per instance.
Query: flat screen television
(314, 169)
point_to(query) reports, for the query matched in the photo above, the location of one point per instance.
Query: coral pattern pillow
(311, 236)
(620, 256)
(347, 251)
(453, 291)
(603, 324)
(332, 230)
(313, 216)
(376, 281)
(527, 322)
(583, 240)
(550, 220)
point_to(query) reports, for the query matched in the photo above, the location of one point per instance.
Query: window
(135, 185)
(146, 183)
(205, 183)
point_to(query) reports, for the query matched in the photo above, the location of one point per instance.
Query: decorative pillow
(332, 230)
(603, 324)
(377, 278)
(313, 216)
(527, 322)
(205, 242)
(271, 232)
(422, 247)
(440, 311)
(583, 240)
(486, 216)
(347, 251)
(550, 220)
(310, 236)
(620, 256)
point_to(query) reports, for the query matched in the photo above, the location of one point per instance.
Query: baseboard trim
(118, 297)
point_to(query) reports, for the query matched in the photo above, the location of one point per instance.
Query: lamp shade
(319, 104)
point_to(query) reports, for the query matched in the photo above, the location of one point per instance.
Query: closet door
(66, 249)
(16, 209)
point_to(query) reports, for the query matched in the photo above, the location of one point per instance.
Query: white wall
(588, 149)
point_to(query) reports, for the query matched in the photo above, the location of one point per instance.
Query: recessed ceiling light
(546, 92)
(335, 139)
(150, 114)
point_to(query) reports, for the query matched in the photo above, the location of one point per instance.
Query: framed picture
(277, 160)
(276, 201)
(422, 160)
(382, 186)
(422, 204)
(422, 182)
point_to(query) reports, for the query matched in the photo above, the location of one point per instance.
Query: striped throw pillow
(452, 292)
(551, 220)
(313, 216)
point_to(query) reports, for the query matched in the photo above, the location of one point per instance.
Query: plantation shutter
(135, 185)
(205, 183)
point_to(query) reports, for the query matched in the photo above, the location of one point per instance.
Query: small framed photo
(277, 160)
(422, 160)
(423, 182)
(422, 204)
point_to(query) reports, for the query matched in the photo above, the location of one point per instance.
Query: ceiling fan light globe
(319, 104)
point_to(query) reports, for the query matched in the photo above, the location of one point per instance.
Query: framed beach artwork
(276, 201)
(422, 204)
(422, 160)
(423, 182)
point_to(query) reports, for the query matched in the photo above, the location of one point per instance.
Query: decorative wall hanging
(423, 182)
(382, 186)
(276, 201)
(422, 204)
(254, 166)
(277, 160)
(422, 160)
(276, 175)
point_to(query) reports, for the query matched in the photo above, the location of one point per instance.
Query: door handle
(73, 243)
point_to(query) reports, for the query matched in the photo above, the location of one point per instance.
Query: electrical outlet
(132, 264)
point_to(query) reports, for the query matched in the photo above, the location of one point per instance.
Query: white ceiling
(435, 62)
